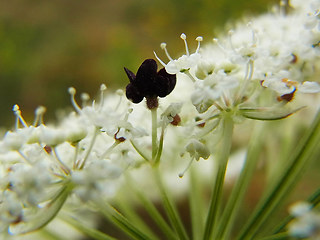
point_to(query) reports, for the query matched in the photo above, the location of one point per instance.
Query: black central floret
(149, 83)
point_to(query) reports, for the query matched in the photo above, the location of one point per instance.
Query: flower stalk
(222, 157)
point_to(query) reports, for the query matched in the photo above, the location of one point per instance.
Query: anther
(164, 47)
(85, 97)
(40, 111)
(103, 88)
(19, 117)
(199, 39)
(119, 92)
(216, 41)
(72, 91)
(184, 37)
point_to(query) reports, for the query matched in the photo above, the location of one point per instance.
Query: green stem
(150, 208)
(288, 177)
(160, 148)
(154, 133)
(226, 222)
(152, 211)
(279, 236)
(170, 208)
(139, 151)
(196, 205)
(222, 157)
(122, 222)
(85, 229)
(314, 199)
(125, 205)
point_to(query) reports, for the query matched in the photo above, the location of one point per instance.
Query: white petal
(309, 87)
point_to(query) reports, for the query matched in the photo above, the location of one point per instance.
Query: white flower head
(306, 223)
(183, 63)
(96, 180)
(170, 114)
(30, 182)
(11, 209)
(281, 83)
(197, 149)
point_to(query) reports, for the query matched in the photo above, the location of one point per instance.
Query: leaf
(267, 113)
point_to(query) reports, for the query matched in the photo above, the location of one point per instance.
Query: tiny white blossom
(93, 181)
(306, 223)
(183, 63)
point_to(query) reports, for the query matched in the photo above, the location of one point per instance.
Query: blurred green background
(47, 46)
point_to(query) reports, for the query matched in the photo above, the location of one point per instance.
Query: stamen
(160, 61)
(120, 93)
(254, 34)
(85, 97)
(164, 47)
(184, 37)
(39, 115)
(19, 118)
(230, 33)
(216, 41)
(127, 114)
(199, 39)
(72, 91)
(186, 169)
(284, 5)
(103, 88)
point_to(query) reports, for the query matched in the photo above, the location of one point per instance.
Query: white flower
(11, 209)
(51, 136)
(282, 84)
(171, 112)
(197, 149)
(93, 181)
(30, 182)
(183, 63)
(306, 223)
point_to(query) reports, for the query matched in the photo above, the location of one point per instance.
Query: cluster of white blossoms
(306, 222)
(255, 71)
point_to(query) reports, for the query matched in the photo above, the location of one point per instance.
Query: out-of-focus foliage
(47, 46)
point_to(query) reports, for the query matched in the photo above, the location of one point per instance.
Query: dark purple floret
(148, 83)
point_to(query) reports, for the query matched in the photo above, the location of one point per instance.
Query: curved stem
(154, 133)
(222, 162)
(304, 153)
(170, 208)
(235, 199)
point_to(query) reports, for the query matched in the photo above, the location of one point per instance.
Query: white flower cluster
(306, 222)
(278, 52)
(86, 154)
(40, 163)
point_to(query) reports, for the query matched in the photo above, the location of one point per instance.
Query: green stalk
(128, 210)
(156, 216)
(88, 231)
(226, 222)
(196, 205)
(279, 236)
(154, 133)
(287, 179)
(122, 222)
(151, 209)
(49, 235)
(314, 199)
(222, 157)
(139, 151)
(170, 208)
